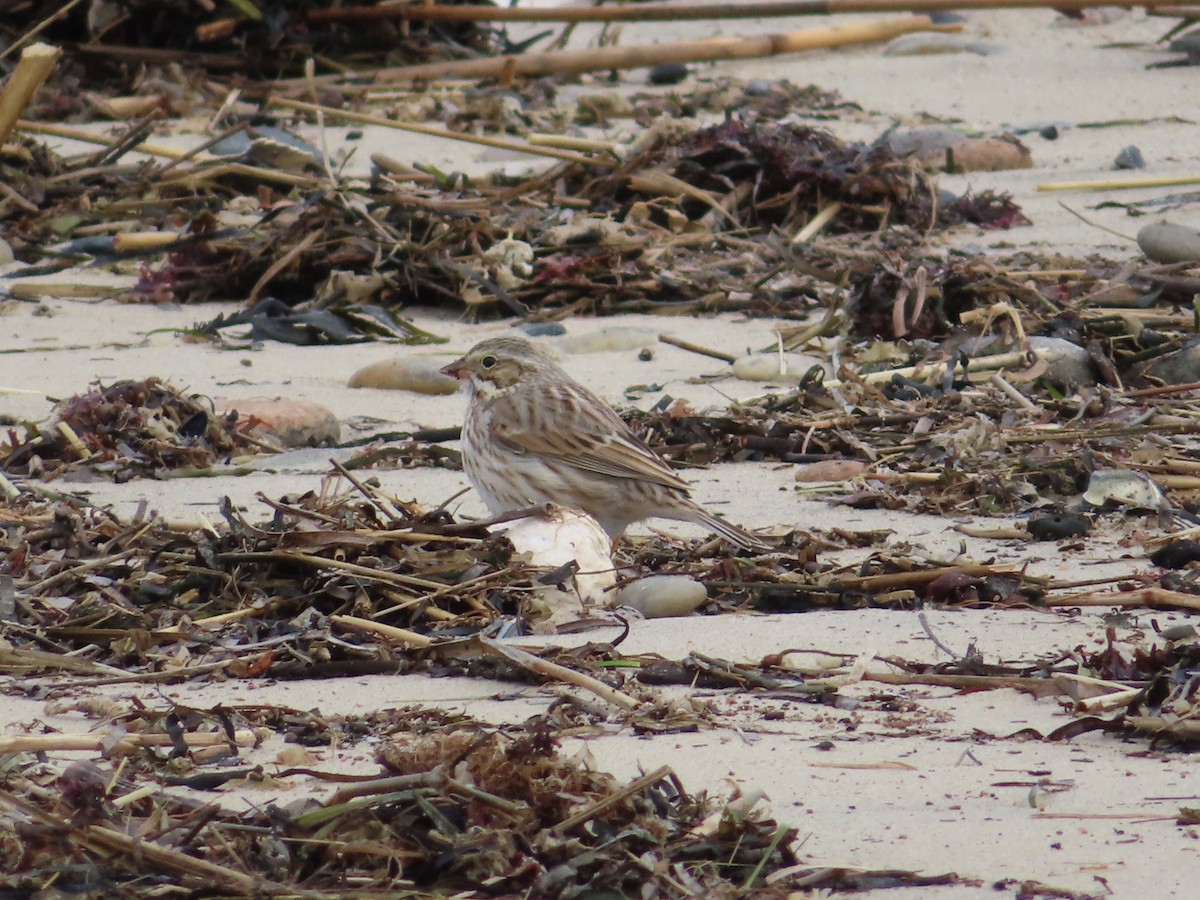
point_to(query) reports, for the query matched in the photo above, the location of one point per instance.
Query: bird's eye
(487, 362)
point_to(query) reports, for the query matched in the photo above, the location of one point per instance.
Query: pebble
(668, 73)
(663, 596)
(1180, 367)
(1069, 365)
(1057, 526)
(1176, 555)
(614, 337)
(419, 375)
(1188, 43)
(1166, 242)
(934, 43)
(757, 87)
(830, 470)
(1129, 158)
(544, 329)
(287, 422)
(937, 148)
(766, 367)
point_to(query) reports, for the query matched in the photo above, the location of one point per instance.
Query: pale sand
(942, 792)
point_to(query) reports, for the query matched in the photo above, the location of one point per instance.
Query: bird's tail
(732, 533)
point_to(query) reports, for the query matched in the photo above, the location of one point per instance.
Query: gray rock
(1129, 158)
(1180, 367)
(1166, 242)
(1069, 364)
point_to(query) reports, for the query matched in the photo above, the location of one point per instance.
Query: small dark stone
(757, 87)
(1057, 526)
(947, 17)
(645, 354)
(668, 73)
(946, 197)
(1050, 132)
(1188, 43)
(1130, 158)
(544, 329)
(1176, 555)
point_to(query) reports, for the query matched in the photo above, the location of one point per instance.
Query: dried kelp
(124, 430)
(459, 807)
(110, 44)
(692, 218)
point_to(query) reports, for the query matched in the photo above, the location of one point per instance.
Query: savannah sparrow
(533, 435)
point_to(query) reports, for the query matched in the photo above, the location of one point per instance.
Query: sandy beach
(920, 778)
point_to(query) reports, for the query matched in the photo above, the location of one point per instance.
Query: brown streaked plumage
(533, 435)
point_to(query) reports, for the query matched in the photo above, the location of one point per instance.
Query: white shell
(1134, 489)
(663, 596)
(554, 540)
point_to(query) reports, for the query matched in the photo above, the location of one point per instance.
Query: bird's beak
(456, 369)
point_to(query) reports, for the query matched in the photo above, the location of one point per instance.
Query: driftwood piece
(566, 62)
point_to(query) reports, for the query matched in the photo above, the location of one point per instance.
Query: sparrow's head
(498, 363)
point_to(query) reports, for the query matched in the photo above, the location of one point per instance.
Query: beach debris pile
(125, 430)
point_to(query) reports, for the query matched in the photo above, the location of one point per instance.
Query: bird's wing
(598, 442)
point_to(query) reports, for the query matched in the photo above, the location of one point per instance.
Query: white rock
(614, 337)
(556, 539)
(663, 596)
(420, 375)
(767, 367)
(1166, 242)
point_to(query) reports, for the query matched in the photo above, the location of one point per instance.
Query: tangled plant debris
(944, 382)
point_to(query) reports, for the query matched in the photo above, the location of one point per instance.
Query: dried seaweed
(466, 808)
(110, 43)
(124, 430)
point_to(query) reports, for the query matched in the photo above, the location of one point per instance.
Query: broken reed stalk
(1120, 184)
(1143, 598)
(36, 64)
(570, 62)
(55, 743)
(78, 134)
(1175, 12)
(433, 131)
(668, 12)
(379, 629)
(554, 671)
